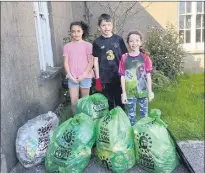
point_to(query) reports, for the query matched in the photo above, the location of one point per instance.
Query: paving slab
(194, 153)
(93, 167)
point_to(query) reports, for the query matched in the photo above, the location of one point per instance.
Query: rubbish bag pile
(118, 145)
(33, 138)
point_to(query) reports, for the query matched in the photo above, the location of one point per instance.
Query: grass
(182, 107)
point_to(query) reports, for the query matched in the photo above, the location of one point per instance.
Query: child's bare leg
(74, 96)
(84, 92)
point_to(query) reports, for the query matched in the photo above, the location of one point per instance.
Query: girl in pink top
(78, 62)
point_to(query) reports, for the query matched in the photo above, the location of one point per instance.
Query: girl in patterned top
(135, 69)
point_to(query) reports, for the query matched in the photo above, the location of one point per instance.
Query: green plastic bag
(114, 141)
(95, 105)
(69, 150)
(155, 150)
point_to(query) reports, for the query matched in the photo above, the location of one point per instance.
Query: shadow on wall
(194, 63)
(137, 19)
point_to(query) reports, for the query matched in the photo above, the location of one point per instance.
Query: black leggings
(113, 93)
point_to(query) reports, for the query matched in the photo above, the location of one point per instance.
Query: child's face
(106, 28)
(76, 32)
(134, 42)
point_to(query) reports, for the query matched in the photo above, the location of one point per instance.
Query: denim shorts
(86, 83)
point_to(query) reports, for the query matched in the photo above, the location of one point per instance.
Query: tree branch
(101, 4)
(124, 21)
(110, 9)
(117, 6)
(128, 9)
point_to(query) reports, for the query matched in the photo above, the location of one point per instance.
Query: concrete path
(93, 167)
(194, 153)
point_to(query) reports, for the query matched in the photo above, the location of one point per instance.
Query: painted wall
(22, 98)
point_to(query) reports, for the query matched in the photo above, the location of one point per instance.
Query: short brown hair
(105, 17)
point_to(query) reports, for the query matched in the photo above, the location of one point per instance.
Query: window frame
(193, 45)
(43, 35)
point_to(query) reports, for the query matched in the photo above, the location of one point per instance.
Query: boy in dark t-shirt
(107, 50)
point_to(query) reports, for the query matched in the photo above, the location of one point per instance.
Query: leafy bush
(165, 50)
(159, 81)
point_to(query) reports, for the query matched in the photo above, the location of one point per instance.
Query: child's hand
(151, 96)
(69, 76)
(81, 78)
(124, 98)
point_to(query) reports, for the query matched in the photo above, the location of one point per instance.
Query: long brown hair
(143, 50)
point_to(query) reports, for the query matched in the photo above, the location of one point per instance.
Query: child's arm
(122, 73)
(123, 84)
(96, 67)
(124, 94)
(67, 69)
(148, 66)
(89, 66)
(149, 86)
(149, 82)
(97, 76)
(98, 84)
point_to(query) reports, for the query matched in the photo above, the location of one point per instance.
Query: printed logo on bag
(106, 162)
(43, 143)
(104, 135)
(69, 138)
(106, 120)
(45, 130)
(62, 153)
(43, 139)
(98, 106)
(56, 172)
(67, 141)
(145, 144)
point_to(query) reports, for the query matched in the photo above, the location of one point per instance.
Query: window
(191, 24)
(43, 35)
(200, 22)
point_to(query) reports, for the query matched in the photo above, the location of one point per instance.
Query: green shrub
(165, 50)
(159, 81)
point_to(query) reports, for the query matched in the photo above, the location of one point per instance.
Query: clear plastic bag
(33, 138)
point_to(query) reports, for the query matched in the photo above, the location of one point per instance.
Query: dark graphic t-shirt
(135, 69)
(109, 52)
